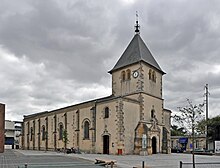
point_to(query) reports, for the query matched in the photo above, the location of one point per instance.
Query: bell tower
(136, 70)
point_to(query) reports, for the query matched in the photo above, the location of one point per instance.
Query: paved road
(14, 158)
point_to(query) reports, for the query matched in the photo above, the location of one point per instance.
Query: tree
(213, 125)
(65, 139)
(177, 131)
(214, 128)
(201, 127)
(189, 117)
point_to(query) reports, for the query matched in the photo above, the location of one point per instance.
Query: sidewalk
(130, 161)
(123, 161)
(151, 161)
(40, 159)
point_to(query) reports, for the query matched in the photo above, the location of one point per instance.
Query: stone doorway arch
(154, 145)
(106, 144)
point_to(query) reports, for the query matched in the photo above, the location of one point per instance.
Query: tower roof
(135, 52)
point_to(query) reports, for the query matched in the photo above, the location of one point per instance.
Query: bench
(105, 162)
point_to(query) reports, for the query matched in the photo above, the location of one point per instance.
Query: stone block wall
(2, 127)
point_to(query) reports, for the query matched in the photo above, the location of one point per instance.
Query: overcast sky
(57, 53)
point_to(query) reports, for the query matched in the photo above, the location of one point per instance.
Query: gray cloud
(56, 53)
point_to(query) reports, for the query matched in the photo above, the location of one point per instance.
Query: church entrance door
(105, 144)
(154, 145)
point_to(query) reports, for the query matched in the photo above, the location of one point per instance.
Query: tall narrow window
(60, 131)
(123, 75)
(150, 74)
(86, 130)
(43, 133)
(55, 123)
(154, 76)
(128, 72)
(39, 126)
(106, 115)
(31, 134)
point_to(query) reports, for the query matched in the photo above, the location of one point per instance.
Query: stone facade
(113, 124)
(2, 127)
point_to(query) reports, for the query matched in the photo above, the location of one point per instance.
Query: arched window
(123, 75)
(86, 130)
(154, 76)
(152, 113)
(128, 72)
(106, 115)
(60, 131)
(150, 74)
(43, 133)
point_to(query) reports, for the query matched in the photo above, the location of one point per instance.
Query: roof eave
(115, 69)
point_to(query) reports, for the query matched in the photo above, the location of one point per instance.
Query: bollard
(143, 164)
(112, 163)
(25, 165)
(181, 164)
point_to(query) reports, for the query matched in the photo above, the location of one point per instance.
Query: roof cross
(137, 26)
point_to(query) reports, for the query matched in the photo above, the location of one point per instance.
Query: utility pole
(207, 113)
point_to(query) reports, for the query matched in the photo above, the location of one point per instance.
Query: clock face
(135, 74)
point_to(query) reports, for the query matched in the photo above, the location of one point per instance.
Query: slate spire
(136, 52)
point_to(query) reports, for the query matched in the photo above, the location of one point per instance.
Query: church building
(132, 120)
